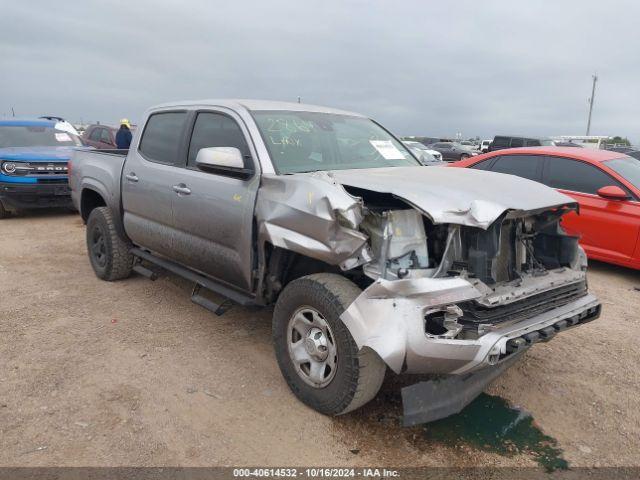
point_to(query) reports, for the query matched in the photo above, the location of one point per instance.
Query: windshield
(627, 167)
(312, 141)
(36, 136)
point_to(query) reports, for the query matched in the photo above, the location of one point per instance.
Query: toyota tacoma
(372, 261)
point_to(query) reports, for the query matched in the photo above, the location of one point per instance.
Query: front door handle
(131, 177)
(181, 189)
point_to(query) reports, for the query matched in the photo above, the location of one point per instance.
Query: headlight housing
(9, 167)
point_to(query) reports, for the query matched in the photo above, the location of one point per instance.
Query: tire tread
(120, 263)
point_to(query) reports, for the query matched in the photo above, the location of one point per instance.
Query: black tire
(464, 156)
(108, 253)
(4, 213)
(359, 373)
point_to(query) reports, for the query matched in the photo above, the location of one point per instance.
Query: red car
(100, 136)
(605, 184)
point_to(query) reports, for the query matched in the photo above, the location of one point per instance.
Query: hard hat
(125, 121)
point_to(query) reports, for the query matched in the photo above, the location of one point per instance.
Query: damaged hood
(455, 195)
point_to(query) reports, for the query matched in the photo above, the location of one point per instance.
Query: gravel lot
(132, 373)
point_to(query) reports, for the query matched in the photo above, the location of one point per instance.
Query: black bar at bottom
(429, 401)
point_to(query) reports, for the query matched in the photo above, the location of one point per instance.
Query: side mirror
(613, 192)
(225, 160)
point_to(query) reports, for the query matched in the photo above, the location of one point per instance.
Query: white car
(470, 145)
(484, 146)
(434, 153)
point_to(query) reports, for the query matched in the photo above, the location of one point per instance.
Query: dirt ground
(132, 373)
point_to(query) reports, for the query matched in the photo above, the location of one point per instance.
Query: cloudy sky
(419, 67)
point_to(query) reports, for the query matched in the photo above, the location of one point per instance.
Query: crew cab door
(608, 228)
(214, 210)
(148, 178)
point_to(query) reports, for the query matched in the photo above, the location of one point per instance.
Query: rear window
(36, 136)
(525, 166)
(483, 165)
(626, 167)
(161, 138)
(501, 142)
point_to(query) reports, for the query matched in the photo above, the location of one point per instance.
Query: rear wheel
(315, 351)
(4, 213)
(108, 253)
(464, 156)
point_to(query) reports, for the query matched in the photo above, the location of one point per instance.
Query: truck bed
(99, 170)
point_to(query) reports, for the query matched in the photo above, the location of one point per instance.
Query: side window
(95, 134)
(517, 142)
(483, 165)
(215, 130)
(525, 166)
(501, 142)
(105, 136)
(533, 142)
(575, 176)
(161, 138)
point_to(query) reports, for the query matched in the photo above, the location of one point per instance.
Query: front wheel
(464, 156)
(108, 253)
(317, 355)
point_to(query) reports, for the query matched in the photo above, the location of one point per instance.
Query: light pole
(593, 94)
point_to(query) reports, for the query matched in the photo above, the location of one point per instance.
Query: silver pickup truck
(373, 262)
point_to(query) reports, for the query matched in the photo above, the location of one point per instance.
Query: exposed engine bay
(513, 253)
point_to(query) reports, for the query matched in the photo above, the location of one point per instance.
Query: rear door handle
(181, 189)
(131, 177)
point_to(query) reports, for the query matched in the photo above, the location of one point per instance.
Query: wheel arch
(281, 266)
(93, 196)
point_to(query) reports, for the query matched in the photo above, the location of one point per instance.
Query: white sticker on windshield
(63, 137)
(387, 149)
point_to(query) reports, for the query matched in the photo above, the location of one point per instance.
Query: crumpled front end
(443, 291)
(418, 326)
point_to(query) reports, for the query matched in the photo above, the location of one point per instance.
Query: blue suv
(33, 164)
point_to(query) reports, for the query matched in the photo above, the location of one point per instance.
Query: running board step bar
(146, 272)
(210, 305)
(200, 282)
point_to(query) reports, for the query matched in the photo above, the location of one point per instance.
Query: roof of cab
(22, 122)
(257, 105)
(586, 154)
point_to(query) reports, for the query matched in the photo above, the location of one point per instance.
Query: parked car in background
(420, 146)
(424, 140)
(516, 141)
(469, 144)
(425, 158)
(566, 144)
(452, 151)
(33, 164)
(619, 148)
(370, 260)
(100, 136)
(484, 145)
(605, 184)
